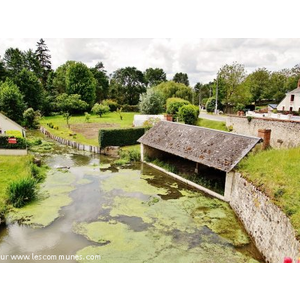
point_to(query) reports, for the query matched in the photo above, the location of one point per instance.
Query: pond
(90, 211)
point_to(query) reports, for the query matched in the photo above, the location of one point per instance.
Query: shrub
(31, 118)
(120, 137)
(211, 105)
(189, 114)
(151, 102)
(174, 104)
(113, 105)
(128, 156)
(87, 117)
(130, 108)
(21, 192)
(21, 143)
(100, 109)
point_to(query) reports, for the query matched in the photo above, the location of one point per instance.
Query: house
(291, 102)
(194, 149)
(7, 125)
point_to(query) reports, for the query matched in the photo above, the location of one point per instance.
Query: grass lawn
(277, 173)
(12, 168)
(212, 124)
(87, 132)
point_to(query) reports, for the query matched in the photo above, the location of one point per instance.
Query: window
(282, 108)
(291, 109)
(292, 97)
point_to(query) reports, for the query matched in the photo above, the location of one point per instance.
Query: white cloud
(199, 58)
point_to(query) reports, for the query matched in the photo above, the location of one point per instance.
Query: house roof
(273, 106)
(10, 120)
(217, 149)
(295, 91)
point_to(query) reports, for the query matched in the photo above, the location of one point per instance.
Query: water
(89, 211)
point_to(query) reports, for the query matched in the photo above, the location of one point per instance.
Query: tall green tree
(80, 80)
(232, 88)
(43, 56)
(151, 102)
(181, 78)
(3, 73)
(11, 100)
(32, 63)
(126, 85)
(59, 80)
(258, 83)
(154, 77)
(102, 79)
(31, 88)
(14, 60)
(278, 84)
(171, 89)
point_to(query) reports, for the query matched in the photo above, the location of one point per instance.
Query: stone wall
(284, 134)
(271, 230)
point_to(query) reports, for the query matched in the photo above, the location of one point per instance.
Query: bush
(211, 105)
(189, 114)
(174, 104)
(120, 137)
(100, 109)
(151, 102)
(21, 192)
(21, 143)
(31, 118)
(130, 108)
(113, 105)
(128, 156)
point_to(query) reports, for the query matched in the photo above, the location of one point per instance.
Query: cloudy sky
(199, 58)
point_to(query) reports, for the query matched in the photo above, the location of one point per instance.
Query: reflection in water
(99, 195)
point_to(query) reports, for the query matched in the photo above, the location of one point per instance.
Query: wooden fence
(72, 144)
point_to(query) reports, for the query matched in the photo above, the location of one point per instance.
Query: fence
(72, 144)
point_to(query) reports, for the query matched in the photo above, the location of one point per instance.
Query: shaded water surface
(89, 211)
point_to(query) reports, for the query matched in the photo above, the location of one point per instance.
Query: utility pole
(216, 107)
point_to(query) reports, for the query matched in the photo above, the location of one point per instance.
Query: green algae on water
(54, 194)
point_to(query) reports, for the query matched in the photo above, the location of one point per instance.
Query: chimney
(265, 134)
(298, 83)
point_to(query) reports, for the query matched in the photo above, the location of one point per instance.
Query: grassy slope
(11, 168)
(63, 131)
(277, 173)
(212, 124)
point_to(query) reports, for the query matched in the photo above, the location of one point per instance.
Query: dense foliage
(189, 114)
(174, 104)
(20, 144)
(152, 102)
(120, 137)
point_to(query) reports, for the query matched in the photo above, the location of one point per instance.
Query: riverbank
(12, 168)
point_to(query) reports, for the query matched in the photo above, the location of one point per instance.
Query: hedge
(21, 143)
(120, 137)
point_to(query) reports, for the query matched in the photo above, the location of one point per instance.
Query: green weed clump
(128, 156)
(21, 192)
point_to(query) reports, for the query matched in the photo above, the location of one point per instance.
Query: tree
(181, 78)
(202, 91)
(14, 60)
(126, 85)
(189, 114)
(151, 103)
(3, 73)
(258, 83)
(100, 109)
(102, 79)
(11, 100)
(71, 104)
(31, 118)
(170, 89)
(59, 80)
(32, 63)
(44, 58)
(80, 80)
(154, 76)
(230, 88)
(278, 85)
(31, 88)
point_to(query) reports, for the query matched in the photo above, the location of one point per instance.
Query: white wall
(7, 124)
(286, 103)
